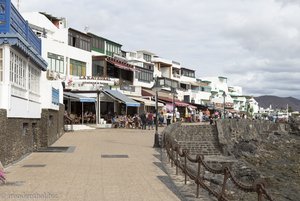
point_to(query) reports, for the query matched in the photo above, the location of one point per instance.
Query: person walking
(143, 120)
(150, 120)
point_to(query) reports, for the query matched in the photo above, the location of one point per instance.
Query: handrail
(174, 151)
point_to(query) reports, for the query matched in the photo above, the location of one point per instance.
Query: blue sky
(256, 44)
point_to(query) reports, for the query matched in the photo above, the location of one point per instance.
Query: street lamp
(157, 86)
(173, 90)
(224, 96)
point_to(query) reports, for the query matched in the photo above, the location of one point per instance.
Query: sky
(254, 43)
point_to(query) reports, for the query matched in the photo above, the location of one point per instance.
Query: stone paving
(80, 173)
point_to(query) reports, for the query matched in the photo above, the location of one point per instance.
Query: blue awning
(121, 97)
(78, 98)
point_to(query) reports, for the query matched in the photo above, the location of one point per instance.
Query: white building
(220, 93)
(252, 106)
(239, 101)
(142, 60)
(30, 109)
(66, 50)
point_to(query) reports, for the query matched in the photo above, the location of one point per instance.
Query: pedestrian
(143, 120)
(150, 120)
(177, 114)
(211, 120)
(161, 119)
(200, 116)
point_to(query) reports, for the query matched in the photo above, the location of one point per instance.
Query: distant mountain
(278, 102)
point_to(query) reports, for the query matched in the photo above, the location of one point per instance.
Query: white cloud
(253, 40)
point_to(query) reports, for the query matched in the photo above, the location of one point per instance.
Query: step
(103, 125)
(81, 127)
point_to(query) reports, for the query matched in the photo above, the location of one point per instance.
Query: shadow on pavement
(159, 164)
(168, 182)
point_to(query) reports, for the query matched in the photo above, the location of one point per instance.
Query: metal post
(98, 108)
(224, 95)
(173, 105)
(81, 112)
(156, 140)
(287, 112)
(185, 168)
(198, 178)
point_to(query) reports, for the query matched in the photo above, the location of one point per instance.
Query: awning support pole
(81, 112)
(97, 108)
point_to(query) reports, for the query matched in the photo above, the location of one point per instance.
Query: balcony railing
(20, 26)
(127, 88)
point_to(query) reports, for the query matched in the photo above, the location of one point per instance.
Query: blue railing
(20, 25)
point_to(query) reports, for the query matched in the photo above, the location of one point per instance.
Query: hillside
(278, 102)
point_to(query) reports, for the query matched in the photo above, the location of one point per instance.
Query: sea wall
(21, 136)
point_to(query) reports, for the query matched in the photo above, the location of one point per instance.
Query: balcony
(20, 26)
(176, 75)
(161, 60)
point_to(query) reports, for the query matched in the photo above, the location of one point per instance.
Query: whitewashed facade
(55, 47)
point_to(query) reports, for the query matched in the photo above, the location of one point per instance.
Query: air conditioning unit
(56, 76)
(50, 75)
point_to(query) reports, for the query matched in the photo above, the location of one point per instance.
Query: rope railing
(176, 154)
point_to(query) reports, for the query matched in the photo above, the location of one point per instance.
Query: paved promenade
(95, 167)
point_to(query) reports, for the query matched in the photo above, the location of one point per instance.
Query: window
(147, 57)
(188, 73)
(1, 65)
(132, 54)
(77, 68)
(17, 70)
(112, 48)
(100, 44)
(25, 129)
(34, 79)
(148, 66)
(98, 68)
(144, 76)
(79, 40)
(56, 62)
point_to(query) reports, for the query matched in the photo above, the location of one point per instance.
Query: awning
(120, 64)
(79, 98)
(121, 97)
(177, 102)
(147, 102)
(148, 92)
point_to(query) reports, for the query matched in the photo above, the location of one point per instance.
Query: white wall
(46, 93)
(69, 52)
(4, 86)
(18, 105)
(136, 82)
(165, 72)
(23, 108)
(217, 84)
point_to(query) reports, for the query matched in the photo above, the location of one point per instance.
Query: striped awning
(115, 94)
(147, 102)
(78, 98)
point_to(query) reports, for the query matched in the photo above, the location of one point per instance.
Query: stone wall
(262, 150)
(211, 139)
(232, 131)
(198, 139)
(51, 126)
(21, 136)
(295, 125)
(3, 124)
